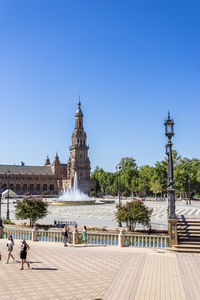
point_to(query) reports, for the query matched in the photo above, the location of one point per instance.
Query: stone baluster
(34, 234)
(75, 237)
(121, 238)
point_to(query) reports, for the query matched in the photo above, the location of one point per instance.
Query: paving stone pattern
(107, 273)
(104, 214)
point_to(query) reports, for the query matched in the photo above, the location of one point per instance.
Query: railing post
(75, 237)
(34, 234)
(172, 229)
(121, 238)
(1, 232)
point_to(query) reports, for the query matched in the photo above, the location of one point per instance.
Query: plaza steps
(188, 230)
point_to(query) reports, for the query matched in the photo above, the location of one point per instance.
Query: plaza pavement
(108, 273)
(104, 214)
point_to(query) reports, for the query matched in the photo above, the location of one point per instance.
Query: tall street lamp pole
(118, 168)
(189, 200)
(0, 205)
(169, 132)
(8, 196)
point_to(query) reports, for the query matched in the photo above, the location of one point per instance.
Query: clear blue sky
(130, 61)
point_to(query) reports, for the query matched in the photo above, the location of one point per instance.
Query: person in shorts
(23, 254)
(65, 236)
(10, 245)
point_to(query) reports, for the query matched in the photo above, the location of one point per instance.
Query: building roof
(26, 170)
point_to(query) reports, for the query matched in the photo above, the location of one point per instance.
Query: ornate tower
(79, 161)
(47, 161)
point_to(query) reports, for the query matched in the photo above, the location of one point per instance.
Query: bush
(133, 213)
(8, 222)
(31, 208)
(92, 194)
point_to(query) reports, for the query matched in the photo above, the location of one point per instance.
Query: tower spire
(47, 161)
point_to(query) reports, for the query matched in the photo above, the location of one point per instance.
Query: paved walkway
(108, 273)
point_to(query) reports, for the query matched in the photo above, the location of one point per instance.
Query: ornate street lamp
(169, 132)
(0, 205)
(189, 193)
(8, 196)
(118, 168)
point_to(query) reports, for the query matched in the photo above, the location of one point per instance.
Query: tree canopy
(133, 213)
(149, 180)
(31, 208)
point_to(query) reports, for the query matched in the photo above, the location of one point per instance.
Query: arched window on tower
(4, 187)
(18, 187)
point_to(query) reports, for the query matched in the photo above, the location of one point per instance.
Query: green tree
(128, 171)
(144, 180)
(155, 186)
(31, 208)
(133, 213)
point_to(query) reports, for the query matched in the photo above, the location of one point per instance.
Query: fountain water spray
(74, 194)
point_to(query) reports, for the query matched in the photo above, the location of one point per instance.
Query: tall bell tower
(79, 161)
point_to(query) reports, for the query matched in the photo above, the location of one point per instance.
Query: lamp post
(8, 213)
(118, 168)
(169, 132)
(0, 205)
(189, 200)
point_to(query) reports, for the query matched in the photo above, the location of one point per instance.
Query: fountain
(73, 196)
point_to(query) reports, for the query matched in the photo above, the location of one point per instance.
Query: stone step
(189, 242)
(182, 234)
(187, 246)
(191, 250)
(192, 228)
(188, 224)
(188, 231)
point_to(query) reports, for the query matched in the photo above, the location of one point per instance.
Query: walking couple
(23, 252)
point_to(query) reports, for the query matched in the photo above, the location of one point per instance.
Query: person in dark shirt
(23, 254)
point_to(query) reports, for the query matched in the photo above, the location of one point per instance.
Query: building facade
(56, 176)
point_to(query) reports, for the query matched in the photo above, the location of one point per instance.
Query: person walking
(10, 245)
(65, 236)
(85, 235)
(23, 254)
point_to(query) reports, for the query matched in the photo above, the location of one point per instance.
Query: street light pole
(118, 168)
(189, 200)
(0, 205)
(169, 132)
(8, 196)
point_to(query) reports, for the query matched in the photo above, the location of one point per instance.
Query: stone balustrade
(121, 239)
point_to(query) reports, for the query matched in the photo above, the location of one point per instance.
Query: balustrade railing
(52, 236)
(18, 234)
(149, 241)
(101, 238)
(93, 238)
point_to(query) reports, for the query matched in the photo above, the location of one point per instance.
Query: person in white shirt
(10, 245)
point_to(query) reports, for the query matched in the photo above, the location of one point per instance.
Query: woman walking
(85, 235)
(65, 236)
(10, 245)
(23, 254)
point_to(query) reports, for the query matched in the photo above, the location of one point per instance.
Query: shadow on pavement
(44, 269)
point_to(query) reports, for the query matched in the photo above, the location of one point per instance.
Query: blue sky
(130, 61)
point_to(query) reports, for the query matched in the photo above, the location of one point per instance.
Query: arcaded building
(53, 177)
